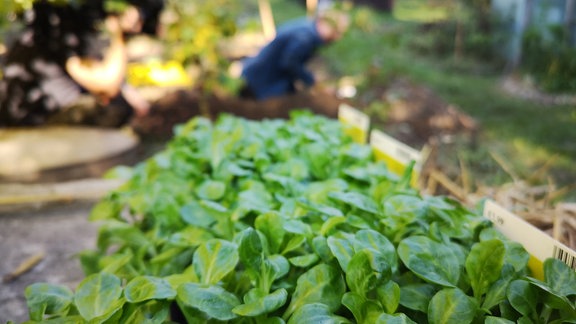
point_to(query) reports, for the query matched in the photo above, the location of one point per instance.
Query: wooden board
(19, 196)
(31, 151)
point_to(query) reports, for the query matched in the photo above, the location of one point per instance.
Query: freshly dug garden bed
(181, 105)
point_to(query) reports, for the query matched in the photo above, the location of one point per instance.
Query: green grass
(417, 10)
(526, 135)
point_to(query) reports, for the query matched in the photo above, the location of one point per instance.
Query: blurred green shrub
(550, 58)
(467, 33)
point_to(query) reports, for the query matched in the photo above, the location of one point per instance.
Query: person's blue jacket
(283, 61)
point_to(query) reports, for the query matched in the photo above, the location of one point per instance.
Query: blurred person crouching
(280, 67)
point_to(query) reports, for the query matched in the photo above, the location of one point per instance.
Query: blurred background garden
(510, 65)
(486, 87)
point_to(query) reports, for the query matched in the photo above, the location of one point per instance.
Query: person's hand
(113, 26)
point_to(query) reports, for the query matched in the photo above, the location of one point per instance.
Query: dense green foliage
(551, 59)
(194, 33)
(290, 221)
(469, 32)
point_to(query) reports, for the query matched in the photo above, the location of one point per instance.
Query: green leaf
(45, 298)
(214, 259)
(319, 158)
(321, 284)
(389, 296)
(331, 224)
(71, 319)
(417, 296)
(366, 271)
(525, 320)
(304, 261)
(250, 249)
(355, 303)
(394, 319)
(190, 237)
(484, 265)
(254, 199)
(516, 255)
(496, 320)
(194, 214)
(282, 183)
(176, 280)
(211, 190)
(322, 209)
(497, 292)
(321, 248)
(356, 200)
(146, 287)
(152, 312)
(316, 313)
(522, 296)
(294, 168)
(271, 320)
(342, 249)
(237, 170)
(215, 301)
(294, 243)
(552, 298)
(260, 303)
(404, 207)
(432, 261)
(297, 227)
(104, 210)
(359, 222)
(168, 255)
(98, 295)
(112, 317)
(364, 310)
(318, 192)
(560, 277)
(116, 232)
(451, 306)
(271, 224)
(280, 264)
(120, 172)
(377, 242)
(217, 209)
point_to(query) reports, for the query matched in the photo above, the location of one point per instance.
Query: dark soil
(181, 105)
(413, 113)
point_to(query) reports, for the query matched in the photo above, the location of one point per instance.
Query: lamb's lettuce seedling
(290, 221)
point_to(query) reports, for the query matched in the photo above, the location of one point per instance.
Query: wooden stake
(450, 185)
(267, 19)
(18, 194)
(24, 267)
(311, 7)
